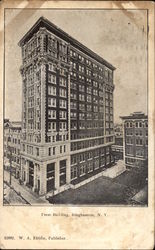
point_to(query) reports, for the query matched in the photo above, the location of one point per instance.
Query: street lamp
(10, 157)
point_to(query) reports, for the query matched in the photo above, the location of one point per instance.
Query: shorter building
(117, 148)
(135, 139)
(12, 138)
(118, 130)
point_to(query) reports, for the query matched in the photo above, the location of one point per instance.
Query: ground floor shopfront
(44, 177)
(56, 175)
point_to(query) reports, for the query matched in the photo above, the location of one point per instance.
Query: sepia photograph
(75, 107)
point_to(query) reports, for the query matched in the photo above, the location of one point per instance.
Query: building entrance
(31, 173)
(62, 172)
(50, 176)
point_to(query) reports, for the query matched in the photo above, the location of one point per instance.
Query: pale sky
(117, 36)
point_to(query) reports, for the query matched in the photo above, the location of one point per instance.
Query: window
(51, 90)
(95, 92)
(62, 114)
(62, 92)
(52, 114)
(52, 78)
(53, 138)
(51, 101)
(62, 81)
(60, 149)
(73, 85)
(53, 150)
(73, 173)
(81, 106)
(37, 151)
(89, 99)
(82, 170)
(51, 126)
(63, 103)
(49, 151)
(52, 67)
(81, 116)
(81, 97)
(73, 105)
(81, 88)
(48, 138)
(73, 114)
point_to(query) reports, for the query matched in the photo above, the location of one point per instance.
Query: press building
(135, 134)
(67, 110)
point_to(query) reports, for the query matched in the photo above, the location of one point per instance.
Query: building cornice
(43, 22)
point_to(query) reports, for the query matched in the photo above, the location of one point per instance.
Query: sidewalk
(27, 194)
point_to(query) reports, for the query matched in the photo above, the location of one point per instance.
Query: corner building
(135, 140)
(67, 110)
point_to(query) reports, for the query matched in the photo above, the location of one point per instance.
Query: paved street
(105, 191)
(12, 197)
(27, 194)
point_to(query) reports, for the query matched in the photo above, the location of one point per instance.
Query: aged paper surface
(108, 225)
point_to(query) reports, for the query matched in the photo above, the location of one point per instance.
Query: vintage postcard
(77, 125)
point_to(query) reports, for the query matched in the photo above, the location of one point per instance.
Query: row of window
(89, 116)
(138, 141)
(52, 126)
(52, 102)
(15, 141)
(89, 155)
(87, 125)
(137, 132)
(90, 64)
(136, 124)
(83, 169)
(88, 143)
(52, 114)
(52, 150)
(54, 138)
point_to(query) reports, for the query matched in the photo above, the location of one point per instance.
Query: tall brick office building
(67, 110)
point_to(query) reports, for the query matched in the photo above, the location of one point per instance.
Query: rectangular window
(52, 67)
(53, 125)
(63, 103)
(52, 78)
(62, 81)
(37, 151)
(62, 92)
(53, 150)
(49, 151)
(52, 114)
(51, 101)
(51, 90)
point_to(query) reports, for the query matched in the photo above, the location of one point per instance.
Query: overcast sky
(118, 36)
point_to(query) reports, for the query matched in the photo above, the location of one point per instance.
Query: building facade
(12, 145)
(67, 110)
(135, 130)
(117, 148)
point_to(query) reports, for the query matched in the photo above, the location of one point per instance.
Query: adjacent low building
(12, 144)
(135, 143)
